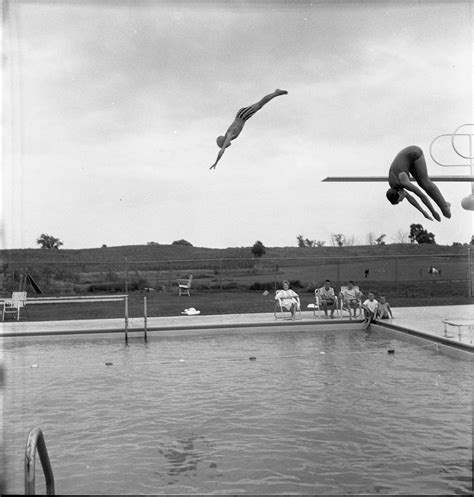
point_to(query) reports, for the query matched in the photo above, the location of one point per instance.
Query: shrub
(257, 286)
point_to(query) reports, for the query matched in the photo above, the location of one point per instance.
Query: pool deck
(426, 321)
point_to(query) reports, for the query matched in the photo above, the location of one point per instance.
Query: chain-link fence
(453, 271)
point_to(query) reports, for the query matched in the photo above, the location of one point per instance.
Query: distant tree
(400, 236)
(419, 235)
(49, 242)
(258, 249)
(370, 238)
(380, 240)
(350, 241)
(182, 242)
(457, 244)
(306, 242)
(104, 245)
(338, 239)
(472, 240)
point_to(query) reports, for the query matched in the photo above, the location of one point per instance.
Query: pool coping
(181, 326)
(426, 336)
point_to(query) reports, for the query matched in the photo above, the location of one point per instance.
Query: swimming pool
(328, 412)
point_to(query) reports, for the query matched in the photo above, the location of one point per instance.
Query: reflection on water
(319, 412)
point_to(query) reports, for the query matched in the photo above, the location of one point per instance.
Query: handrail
(35, 441)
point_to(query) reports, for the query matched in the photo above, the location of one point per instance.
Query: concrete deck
(425, 320)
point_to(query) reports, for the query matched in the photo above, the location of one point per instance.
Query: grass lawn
(238, 302)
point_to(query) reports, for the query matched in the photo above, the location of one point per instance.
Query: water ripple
(351, 421)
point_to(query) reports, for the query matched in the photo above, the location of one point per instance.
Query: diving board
(384, 179)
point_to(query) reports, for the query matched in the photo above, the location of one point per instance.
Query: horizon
(246, 247)
(111, 112)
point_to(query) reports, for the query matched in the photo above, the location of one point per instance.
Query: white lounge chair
(318, 307)
(281, 311)
(14, 305)
(184, 286)
(343, 304)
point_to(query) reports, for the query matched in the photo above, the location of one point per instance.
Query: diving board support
(384, 179)
(467, 202)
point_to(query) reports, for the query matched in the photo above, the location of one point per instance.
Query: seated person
(384, 311)
(350, 297)
(370, 307)
(288, 298)
(327, 298)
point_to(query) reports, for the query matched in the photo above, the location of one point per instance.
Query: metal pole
(170, 277)
(469, 266)
(220, 274)
(396, 274)
(126, 319)
(145, 317)
(35, 441)
(126, 275)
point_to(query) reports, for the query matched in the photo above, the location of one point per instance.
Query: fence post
(396, 274)
(220, 275)
(126, 275)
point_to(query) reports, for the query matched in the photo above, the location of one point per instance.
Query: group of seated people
(349, 298)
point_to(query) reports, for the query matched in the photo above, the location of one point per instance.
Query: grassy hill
(179, 252)
(231, 280)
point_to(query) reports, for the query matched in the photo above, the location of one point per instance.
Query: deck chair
(281, 312)
(184, 286)
(320, 309)
(343, 305)
(14, 305)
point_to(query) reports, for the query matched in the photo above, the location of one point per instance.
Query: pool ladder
(145, 321)
(35, 442)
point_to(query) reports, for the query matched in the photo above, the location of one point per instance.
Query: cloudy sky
(111, 111)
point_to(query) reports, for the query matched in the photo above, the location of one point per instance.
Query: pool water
(322, 412)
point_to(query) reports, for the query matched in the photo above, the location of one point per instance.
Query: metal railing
(35, 442)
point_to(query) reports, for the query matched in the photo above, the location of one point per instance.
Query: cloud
(121, 104)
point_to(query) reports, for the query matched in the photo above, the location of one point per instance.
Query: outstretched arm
(228, 138)
(408, 185)
(219, 155)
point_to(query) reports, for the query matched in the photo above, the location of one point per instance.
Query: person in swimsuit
(384, 310)
(241, 117)
(408, 161)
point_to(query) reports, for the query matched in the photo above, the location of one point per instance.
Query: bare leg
(420, 173)
(269, 97)
(249, 111)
